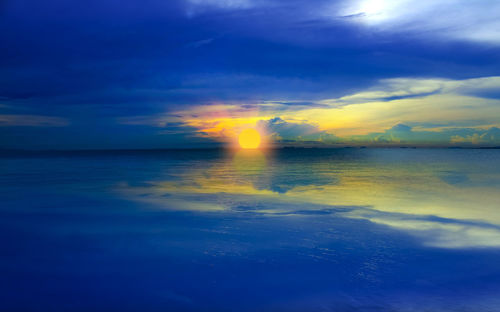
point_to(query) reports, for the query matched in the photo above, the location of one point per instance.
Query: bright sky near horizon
(196, 73)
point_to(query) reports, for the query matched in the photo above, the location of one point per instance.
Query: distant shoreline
(198, 149)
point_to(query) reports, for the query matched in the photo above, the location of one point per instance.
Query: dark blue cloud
(109, 59)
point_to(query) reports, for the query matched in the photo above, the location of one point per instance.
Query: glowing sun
(249, 138)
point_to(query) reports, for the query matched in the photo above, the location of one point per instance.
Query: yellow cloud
(425, 104)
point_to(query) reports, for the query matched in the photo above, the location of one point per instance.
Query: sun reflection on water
(456, 201)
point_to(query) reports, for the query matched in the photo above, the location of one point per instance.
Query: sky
(195, 73)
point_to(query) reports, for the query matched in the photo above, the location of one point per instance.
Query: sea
(291, 229)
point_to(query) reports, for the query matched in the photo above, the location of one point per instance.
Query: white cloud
(396, 88)
(446, 235)
(477, 20)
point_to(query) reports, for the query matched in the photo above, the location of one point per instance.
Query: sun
(249, 139)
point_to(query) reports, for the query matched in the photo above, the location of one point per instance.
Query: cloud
(290, 58)
(223, 4)
(401, 88)
(433, 206)
(480, 137)
(445, 233)
(286, 131)
(426, 104)
(457, 19)
(401, 128)
(32, 121)
(278, 127)
(406, 111)
(196, 7)
(475, 21)
(462, 20)
(402, 134)
(200, 43)
(292, 189)
(160, 120)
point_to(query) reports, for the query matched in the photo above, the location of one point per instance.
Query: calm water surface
(287, 230)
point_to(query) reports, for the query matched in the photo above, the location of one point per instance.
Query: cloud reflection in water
(443, 198)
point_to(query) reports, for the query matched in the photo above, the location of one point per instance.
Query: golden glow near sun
(249, 138)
